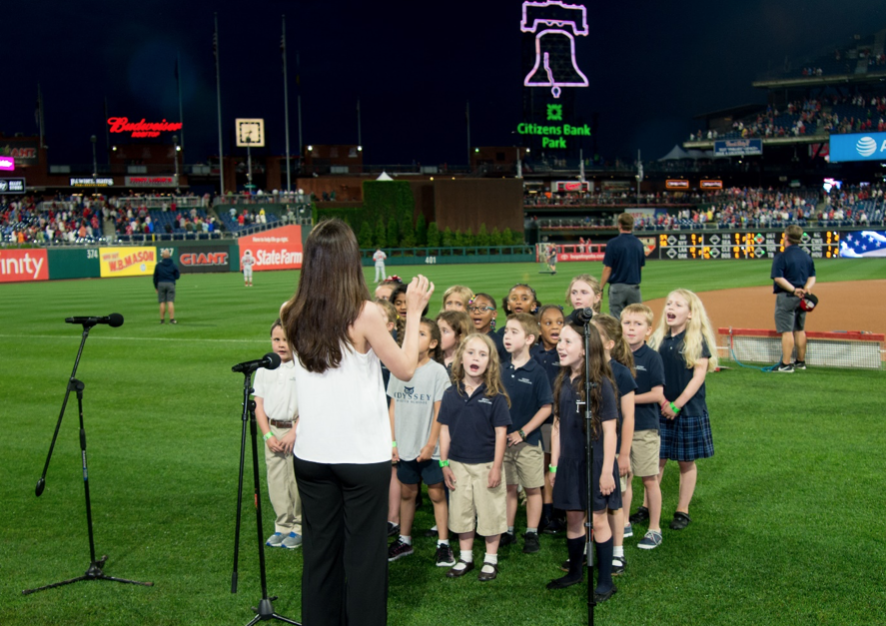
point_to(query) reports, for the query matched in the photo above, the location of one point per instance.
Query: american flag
(865, 243)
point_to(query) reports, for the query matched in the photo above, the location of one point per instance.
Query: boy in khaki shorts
(531, 400)
(636, 323)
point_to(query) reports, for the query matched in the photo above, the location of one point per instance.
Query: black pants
(344, 507)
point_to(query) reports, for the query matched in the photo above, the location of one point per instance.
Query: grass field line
(118, 338)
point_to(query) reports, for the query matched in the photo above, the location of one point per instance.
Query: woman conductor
(343, 437)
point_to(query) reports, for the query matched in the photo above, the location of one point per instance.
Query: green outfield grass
(787, 530)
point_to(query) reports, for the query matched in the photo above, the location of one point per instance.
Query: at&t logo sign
(866, 146)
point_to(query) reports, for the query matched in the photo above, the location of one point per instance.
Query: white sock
(534, 531)
(434, 528)
(465, 556)
(510, 530)
(618, 551)
(406, 540)
(491, 558)
(442, 542)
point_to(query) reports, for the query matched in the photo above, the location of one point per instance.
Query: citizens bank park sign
(276, 249)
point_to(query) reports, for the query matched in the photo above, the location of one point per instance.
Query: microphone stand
(265, 609)
(589, 450)
(94, 571)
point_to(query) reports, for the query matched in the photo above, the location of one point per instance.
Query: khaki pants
(282, 488)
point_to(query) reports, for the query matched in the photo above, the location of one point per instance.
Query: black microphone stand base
(93, 573)
(265, 612)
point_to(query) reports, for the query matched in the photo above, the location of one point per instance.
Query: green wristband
(675, 408)
(444, 463)
(268, 435)
(393, 444)
(552, 468)
(522, 434)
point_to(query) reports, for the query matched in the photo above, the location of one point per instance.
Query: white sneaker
(275, 540)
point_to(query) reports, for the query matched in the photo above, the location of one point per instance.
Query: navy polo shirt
(625, 384)
(625, 255)
(794, 265)
(550, 363)
(572, 438)
(498, 338)
(529, 390)
(472, 421)
(677, 375)
(650, 373)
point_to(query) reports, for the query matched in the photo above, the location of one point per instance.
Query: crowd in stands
(834, 114)
(621, 197)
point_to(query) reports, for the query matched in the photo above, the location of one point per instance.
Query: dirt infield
(843, 306)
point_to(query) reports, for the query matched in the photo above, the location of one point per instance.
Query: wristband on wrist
(393, 444)
(522, 434)
(267, 435)
(675, 408)
(444, 463)
(552, 468)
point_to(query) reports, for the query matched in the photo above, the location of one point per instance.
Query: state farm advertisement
(204, 259)
(276, 249)
(134, 261)
(28, 265)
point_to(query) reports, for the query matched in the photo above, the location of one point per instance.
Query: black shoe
(530, 543)
(564, 566)
(603, 597)
(506, 539)
(618, 565)
(680, 521)
(398, 550)
(563, 583)
(799, 365)
(431, 532)
(554, 527)
(642, 515)
(445, 557)
(487, 576)
(458, 573)
(173, 322)
(393, 529)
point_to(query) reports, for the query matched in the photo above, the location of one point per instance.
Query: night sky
(413, 65)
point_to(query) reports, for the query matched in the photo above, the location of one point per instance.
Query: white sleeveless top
(343, 414)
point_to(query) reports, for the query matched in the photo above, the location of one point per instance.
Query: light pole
(94, 166)
(175, 159)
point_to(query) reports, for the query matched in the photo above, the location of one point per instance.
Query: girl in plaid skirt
(684, 339)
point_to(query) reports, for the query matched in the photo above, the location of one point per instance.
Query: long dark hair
(599, 369)
(331, 294)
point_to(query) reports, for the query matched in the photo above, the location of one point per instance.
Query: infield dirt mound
(842, 306)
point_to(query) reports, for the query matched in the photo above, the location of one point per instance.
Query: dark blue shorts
(413, 472)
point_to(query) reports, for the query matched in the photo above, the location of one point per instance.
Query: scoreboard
(745, 245)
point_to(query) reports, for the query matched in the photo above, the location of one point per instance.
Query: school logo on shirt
(408, 395)
(484, 401)
(524, 381)
(409, 390)
(640, 368)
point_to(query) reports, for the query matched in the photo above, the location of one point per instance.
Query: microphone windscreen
(115, 320)
(274, 359)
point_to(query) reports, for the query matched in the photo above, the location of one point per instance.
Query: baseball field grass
(787, 524)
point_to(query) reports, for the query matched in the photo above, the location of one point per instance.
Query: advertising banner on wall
(24, 152)
(73, 262)
(203, 259)
(26, 265)
(134, 261)
(149, 181)
(858, 147)
(738, 147)
(275, 249)
(12, 185)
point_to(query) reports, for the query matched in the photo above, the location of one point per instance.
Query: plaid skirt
(686, 438)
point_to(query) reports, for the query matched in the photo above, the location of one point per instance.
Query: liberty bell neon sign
(556, 25)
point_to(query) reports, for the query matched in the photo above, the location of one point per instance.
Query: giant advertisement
(858, 147)
(203, 259)
(275, 249)
(26, 265)
(24, 152)
(133, 261)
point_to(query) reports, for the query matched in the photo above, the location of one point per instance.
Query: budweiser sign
(142, 128)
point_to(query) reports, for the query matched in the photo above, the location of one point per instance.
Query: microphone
(113, 320)
(270, 361)
(582, 316)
